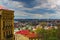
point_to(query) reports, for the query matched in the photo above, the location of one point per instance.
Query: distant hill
(34, 20)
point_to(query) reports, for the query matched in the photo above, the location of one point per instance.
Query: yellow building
(6, 24)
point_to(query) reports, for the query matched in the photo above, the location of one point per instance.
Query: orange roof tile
(27, 33)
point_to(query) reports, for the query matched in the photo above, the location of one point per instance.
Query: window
(4, 34)
(3, 25)
(9, 32)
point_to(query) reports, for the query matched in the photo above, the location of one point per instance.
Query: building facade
(6, 24)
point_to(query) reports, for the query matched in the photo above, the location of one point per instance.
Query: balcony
(9, 36)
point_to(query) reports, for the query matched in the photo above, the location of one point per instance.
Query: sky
(33, 9)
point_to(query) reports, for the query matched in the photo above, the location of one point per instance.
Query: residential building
(6, 24)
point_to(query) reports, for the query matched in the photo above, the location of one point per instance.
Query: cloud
(16, 4)
(24, 15)
(33, 9)
(27, 3)
(41, 11)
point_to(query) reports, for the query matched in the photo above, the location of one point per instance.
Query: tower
(6, 24)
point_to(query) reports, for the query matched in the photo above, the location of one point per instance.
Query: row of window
(7, 21)
(7, 33)
(8, 18)
(7, 25)
(7, 13)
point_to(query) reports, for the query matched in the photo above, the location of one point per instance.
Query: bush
(47, 34)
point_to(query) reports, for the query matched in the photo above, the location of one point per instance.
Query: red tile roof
(1, 7)
(27, 33)
(24, 32)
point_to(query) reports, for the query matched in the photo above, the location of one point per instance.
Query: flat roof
(7, 10)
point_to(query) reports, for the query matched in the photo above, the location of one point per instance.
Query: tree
(43, 24)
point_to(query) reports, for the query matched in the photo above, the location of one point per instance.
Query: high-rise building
(6, 24)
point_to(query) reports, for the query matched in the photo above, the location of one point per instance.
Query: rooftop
(4, 8)
(27, 33)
